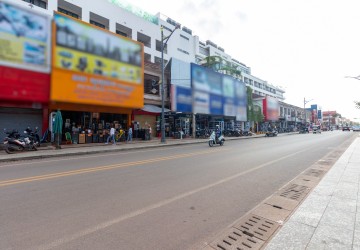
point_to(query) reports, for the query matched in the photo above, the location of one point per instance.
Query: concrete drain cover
(294, 192)
(327, 162)
(314, 172)
(235, 239)
(257, 226)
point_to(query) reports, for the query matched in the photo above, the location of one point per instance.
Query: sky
(307, 47)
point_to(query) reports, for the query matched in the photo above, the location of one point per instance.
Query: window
(158, 61)
(186, 38)
(158, 46)
(204, 51)
(69, 13)
(121, 33)
(147, 57)
(183, 51)
(39, 3)
(97, 24)
(151, 84)
(144, 39)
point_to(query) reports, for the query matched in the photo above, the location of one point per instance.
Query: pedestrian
(111, 136)
(129, 137)
(149, 132)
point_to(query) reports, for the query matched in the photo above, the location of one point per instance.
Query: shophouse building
(116, 17)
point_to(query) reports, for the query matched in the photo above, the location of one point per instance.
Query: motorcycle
(271, 133)
(304, 131)
(216, 140)
(13, 141)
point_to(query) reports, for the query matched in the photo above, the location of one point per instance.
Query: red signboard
(23, 85)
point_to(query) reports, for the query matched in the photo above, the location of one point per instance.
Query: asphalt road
(162, 198)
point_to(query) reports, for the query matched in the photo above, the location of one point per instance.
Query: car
(356, 128)
(345, 128)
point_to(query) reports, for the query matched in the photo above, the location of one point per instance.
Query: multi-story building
(117, 17)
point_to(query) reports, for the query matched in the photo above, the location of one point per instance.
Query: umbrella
(57, 127)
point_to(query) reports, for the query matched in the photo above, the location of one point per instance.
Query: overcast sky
(305, 46)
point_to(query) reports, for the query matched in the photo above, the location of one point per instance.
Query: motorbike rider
(217, 132)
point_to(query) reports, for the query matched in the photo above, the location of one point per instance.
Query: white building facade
(120, 17)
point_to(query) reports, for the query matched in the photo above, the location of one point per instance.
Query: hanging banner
(94, 66)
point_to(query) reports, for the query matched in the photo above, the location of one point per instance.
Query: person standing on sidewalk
(129, 138)
(111, 136)
(149, 132)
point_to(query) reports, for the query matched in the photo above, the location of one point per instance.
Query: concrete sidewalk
(329, 218)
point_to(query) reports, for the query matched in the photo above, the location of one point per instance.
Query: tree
(357, 104)
(253, 111)
(220, 65)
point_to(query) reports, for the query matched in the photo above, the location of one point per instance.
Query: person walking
(111, 136)
(129, 137)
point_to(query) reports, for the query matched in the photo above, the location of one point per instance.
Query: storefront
(97, 80)
(24, 69)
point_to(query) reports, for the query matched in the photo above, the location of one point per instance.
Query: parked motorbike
(271, 133)
(304, 131)
(13, 142)
(216, 140)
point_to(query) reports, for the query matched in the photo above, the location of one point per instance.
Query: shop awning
(153, 109)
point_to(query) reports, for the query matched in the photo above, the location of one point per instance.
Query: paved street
(173, 197)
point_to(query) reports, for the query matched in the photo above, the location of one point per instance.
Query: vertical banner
(94, 66)
(25, 38)
(271, 108)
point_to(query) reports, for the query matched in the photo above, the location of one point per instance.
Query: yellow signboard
(94, 66)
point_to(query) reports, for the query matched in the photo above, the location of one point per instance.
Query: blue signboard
(181, 99)
(319, 114)
(217, 94)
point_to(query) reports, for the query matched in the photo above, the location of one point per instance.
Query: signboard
(217, 94)
(94, 66)
(24, 54)
(271, 108)
(181, 99)
(24, 38)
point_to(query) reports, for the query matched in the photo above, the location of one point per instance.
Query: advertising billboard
(24, 38)
(271, 108)
(217, 94)
(240, 101)
(94, 66)
(24, 54)
(181, 99)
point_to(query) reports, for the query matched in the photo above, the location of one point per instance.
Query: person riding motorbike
(217, 132)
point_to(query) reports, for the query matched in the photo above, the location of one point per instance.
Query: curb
(108, 149)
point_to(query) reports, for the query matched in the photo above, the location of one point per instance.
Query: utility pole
(164, 41)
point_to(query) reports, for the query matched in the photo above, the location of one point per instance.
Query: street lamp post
(164, 41)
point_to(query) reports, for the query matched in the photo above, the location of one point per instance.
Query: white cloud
(304, 45)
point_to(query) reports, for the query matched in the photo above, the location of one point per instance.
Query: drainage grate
(294, 192)
(325, 162)
(235, 239)
(314, 172)
(257, 226)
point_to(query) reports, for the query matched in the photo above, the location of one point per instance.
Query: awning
(154, 109)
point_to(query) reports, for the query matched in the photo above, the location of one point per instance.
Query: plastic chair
(68, 138)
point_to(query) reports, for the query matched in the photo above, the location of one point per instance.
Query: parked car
(346, 128)
(356, 128)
